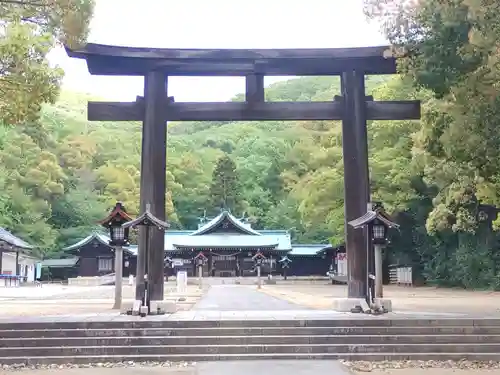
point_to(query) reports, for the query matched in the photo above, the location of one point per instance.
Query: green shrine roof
(226, 231)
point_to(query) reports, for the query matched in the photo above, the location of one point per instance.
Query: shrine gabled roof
(13, 241)
(218, 220)
(278, 238)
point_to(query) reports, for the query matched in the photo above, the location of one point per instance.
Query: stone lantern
(118, 238)
(378, 223)
(285, 265)
(142, 307)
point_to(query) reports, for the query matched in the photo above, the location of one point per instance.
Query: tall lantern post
(285, 265)
(142, 307)
(258, 259)
(378, 223)
(200, 260)
(168, 264)
(118, 238)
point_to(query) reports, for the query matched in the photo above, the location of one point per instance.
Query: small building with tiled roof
(95, 257)
(17, 259)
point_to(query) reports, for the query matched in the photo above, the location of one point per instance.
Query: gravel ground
(5, 369)
(384, 367)
(49, 369)
(423, 367)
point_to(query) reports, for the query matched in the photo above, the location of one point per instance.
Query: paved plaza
(56, 300)
(219, 302)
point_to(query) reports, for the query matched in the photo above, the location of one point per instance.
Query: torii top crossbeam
(133, 61)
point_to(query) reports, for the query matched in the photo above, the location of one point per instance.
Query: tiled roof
(227, 240)
(59, 263)
(12, 240)
(281, 240)
(307, 249)
(99, 237)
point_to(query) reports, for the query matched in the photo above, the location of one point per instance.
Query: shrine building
(228, 243)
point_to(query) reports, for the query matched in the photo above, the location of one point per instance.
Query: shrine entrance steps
(348, 337)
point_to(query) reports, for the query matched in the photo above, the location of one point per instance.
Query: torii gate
(353, 107)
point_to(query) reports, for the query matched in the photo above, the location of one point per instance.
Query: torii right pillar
(357, 187)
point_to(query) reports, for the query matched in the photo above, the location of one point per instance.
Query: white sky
(214, 24)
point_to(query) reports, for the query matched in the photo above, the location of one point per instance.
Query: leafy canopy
(30, 29)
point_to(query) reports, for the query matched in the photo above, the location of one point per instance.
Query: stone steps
(73, 351)
(141, 340)
(369, 321)
(253, 331)
(144, 341)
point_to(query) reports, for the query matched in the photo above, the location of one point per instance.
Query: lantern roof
(200, 255)
(258, 255)
(118, 212)
(371, 216)
(285, 259)
(147, 218)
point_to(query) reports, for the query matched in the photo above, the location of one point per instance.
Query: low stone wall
(92, 281)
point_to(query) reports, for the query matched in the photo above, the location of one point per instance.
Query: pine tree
(225, 190)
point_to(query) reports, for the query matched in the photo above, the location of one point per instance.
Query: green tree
(225, 190)
(30, 29)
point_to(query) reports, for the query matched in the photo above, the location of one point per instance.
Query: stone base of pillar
(163, 307)
(385, 303)
(136, 307)
(143, 311)
(350, 304)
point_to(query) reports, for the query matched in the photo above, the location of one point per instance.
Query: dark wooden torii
(353, 107)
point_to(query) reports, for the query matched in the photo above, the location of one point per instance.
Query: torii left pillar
(153, 185)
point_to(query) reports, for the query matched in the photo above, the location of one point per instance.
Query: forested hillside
(61, 175)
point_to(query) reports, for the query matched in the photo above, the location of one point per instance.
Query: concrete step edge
(347, 322)
(25, 348)
(194, 337)
(227, 328)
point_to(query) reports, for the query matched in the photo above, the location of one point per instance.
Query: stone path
(302, 367)
(242, 298)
